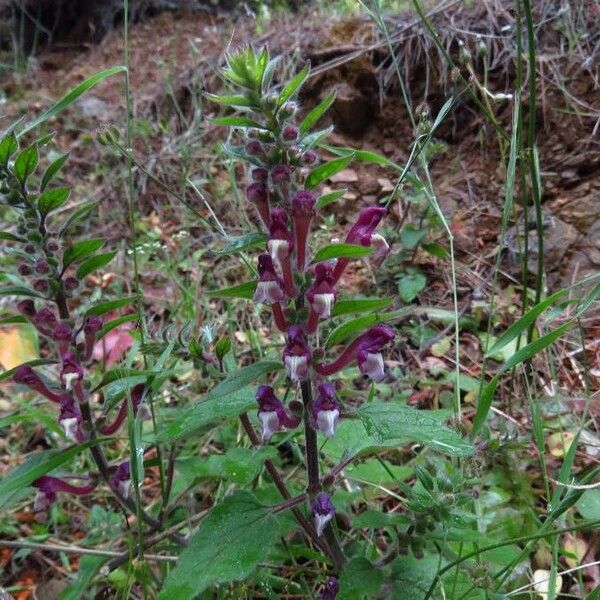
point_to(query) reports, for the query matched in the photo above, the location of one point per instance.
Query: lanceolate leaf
(242, 377)
(392, 420)
(39, 464)
(104, 307)
(93, 263)
(38, 362)
(244, 290)
(26, 162)
(316, 113)
(10, 237)
(237, 122)
(327, 170)
(342, 251)
(77, 216)
(326, 199)
(16, 290)
(81, 250)
(8, 146)
(238, 244)
(357, 305)
(235, 536)
(54, 167)
(292, 88)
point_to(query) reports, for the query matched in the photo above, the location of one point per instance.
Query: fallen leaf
(18, 344)
(541, 583)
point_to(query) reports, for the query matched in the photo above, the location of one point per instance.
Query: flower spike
(366, 350)
(296, 354)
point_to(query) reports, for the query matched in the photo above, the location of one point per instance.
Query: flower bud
(254, 148)
(62, 336)
(24, 269)
(309, 157)
(41, 285)
(281, 174)
(121, 480)
(323, 511)
(289, 134)
(91, 327)
(71, 283)
(260, 175)
(27, 308)
(29, 248)
(42, 267)
(303, 212)
(289, 109)
(52, 246)
(44, 321)
(258, 194)
(326, 410)
(296, 354)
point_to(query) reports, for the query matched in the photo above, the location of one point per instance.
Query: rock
(94, 108)
(386, 185)
(345, 176)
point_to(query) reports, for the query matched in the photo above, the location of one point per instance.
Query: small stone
(386, 185)
(345, 176)
(349, 196)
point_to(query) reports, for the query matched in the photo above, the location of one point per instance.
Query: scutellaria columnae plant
(301, 289)
(49, 273)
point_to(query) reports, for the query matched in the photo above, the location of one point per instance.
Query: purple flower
(269, 290)
(91, 327)
(303, 212)
(71, 283)
(296, 354)
(254, 148)
(137, 395)
(260, 175)
(321, 295)
(330, 589)
(366, 349)
(309, 157)
(272, 414)
(361, 233)
(258, 194)
(380, 245)
(121, 480)
(69, 418)
(48, 487)
(281, 174)
(326, 410)
(25, 375)
(62, 335)
(280, 246)
(27, 308)
(322, 511)
(44, 320)
(71, 373)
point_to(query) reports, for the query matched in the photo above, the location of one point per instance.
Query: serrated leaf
(316, 113)
(341, 251)
(8, 146)
(357, 305)
(392, 420)
(326, 199)
(243, 290)
(52, 199)
(80, 250)
(327, 170)
(26, 162)
(237, 122)
(39, 464)
(243, 242)
(208, 411)
(104, 307)
(245, 531)
(293, 87)
(360, 579)
(53, 168)
(93, 263)
(77, 216)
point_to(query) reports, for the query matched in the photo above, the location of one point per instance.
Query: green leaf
(589, 505)
(26, 162)
(242, 101)
(77, 216)
(392, 420)
(411, 284)
(39, 464)
(435, 249)
(10, 237)
(237, 122)
(208, 411)
(358, 325)
(360, 580)
(326, 199)
(327, 170)
(118, 373)
(243, 242)
(313, 139)
(245, 531)
(342, 251)
(358, 305)
(80, 250)
(71, 97)
(523, 324)
(53, 168)
(93, 263)
(8, 146)
(316, 113)
(293, 87)
(17, 290)
(32, 363)
(52, 199)
(115, 323)
(13, 319)
(362, 156)
(242, 377)
(243, 290)
(105, 307)
(410, 236)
